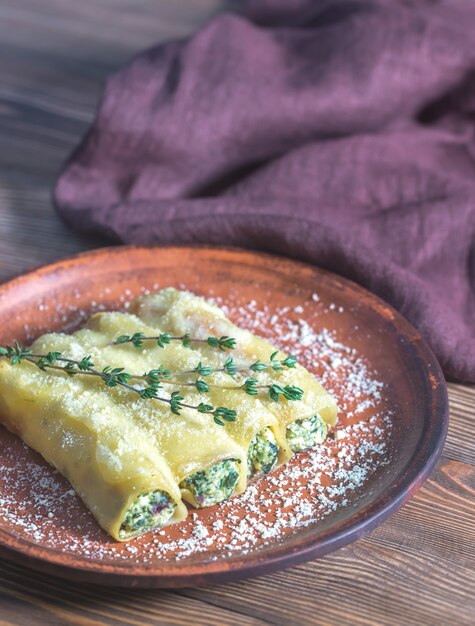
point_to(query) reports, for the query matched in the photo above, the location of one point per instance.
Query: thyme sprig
(156, 378)
(250, 386)
(289, 392)
(232, 369)
(138, 339)
(113, 377)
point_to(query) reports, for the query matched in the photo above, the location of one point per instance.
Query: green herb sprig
(156, 378)
(162, 340)
(113, 377)
(289, 392)
(232, 369)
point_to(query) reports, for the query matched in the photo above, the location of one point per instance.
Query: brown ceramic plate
(392, 424)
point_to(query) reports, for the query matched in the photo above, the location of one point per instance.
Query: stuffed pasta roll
(88, 438)
(256, 430)
(208, 465)
(304, 423)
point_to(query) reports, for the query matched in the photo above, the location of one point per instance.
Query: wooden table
(417, 568)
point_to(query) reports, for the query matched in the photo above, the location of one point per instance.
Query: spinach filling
(305, 433)
(215, 484)
(262, 453)
(150, 510)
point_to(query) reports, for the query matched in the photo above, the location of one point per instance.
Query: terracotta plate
(392, 425)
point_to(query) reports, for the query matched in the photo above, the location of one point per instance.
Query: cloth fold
(340, 133)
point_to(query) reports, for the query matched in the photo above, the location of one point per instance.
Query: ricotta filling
(306, 433)
(215, 484)
(150, 510)
(262, 453)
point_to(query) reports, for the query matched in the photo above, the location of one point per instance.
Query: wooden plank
(29, 598)
(53, 63)
(461, 435)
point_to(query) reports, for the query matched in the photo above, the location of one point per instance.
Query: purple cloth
(340, 133)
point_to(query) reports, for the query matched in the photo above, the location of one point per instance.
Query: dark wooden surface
(417, 568)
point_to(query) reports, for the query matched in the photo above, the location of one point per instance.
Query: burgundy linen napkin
(340, 133)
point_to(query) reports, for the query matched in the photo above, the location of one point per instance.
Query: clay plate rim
(435, 424)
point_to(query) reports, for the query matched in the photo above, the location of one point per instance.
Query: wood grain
(53, 62)
(418, 568)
